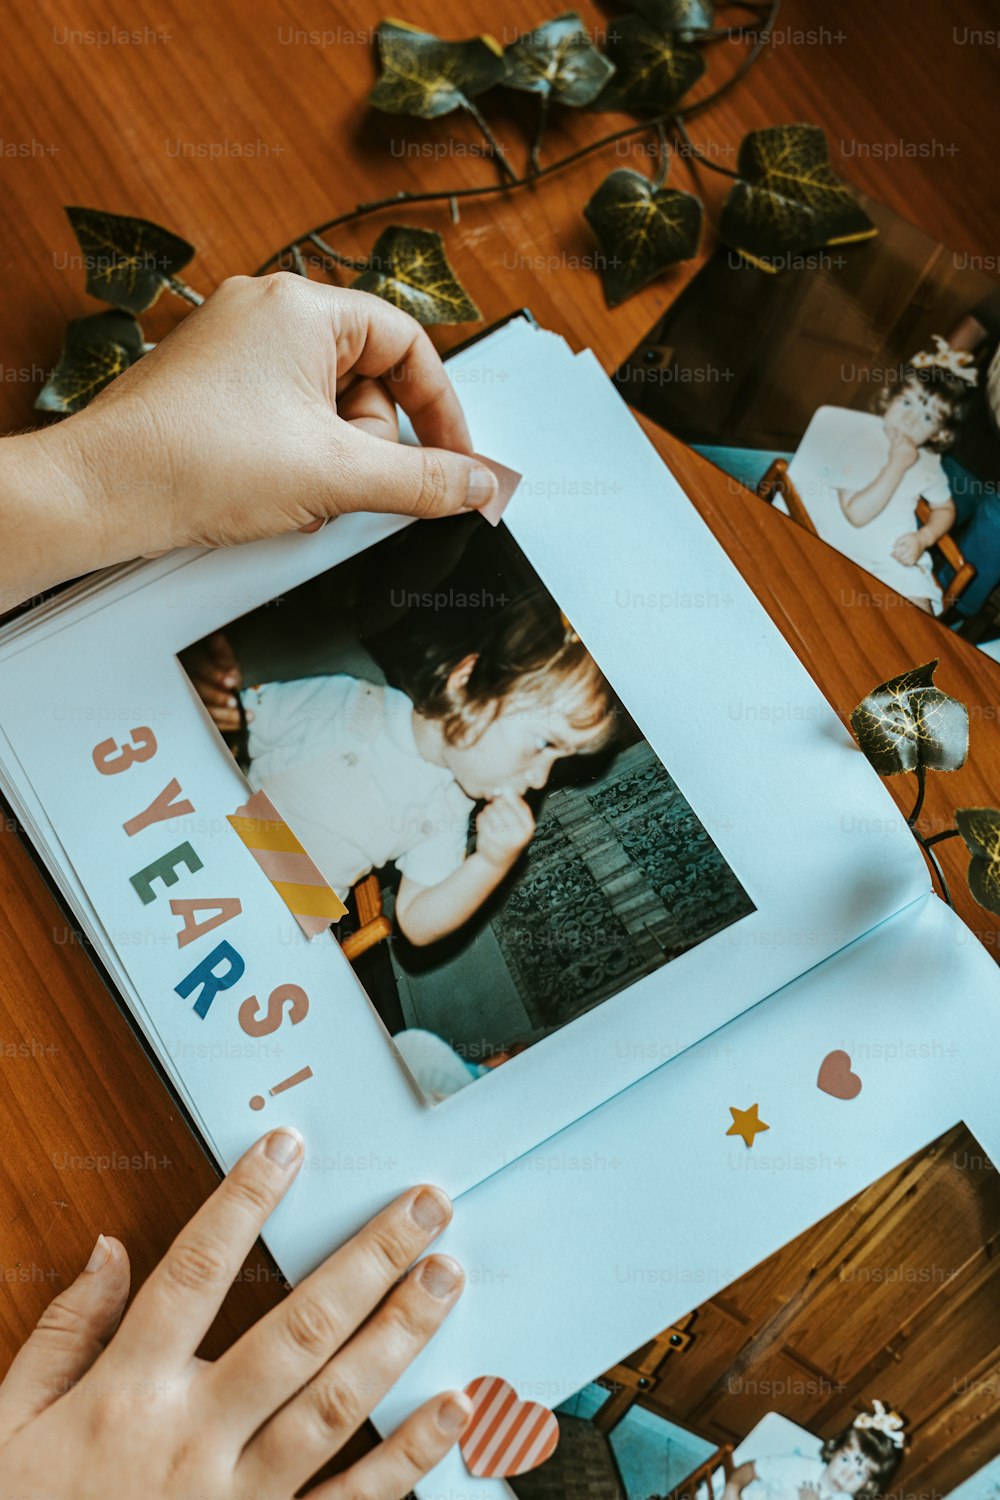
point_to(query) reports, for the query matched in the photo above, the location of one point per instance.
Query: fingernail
(283, 1147)
(482, 486)
(440, 1276)
(453, 1415)
(430, 1211)
(230, 679)
(99, 1255)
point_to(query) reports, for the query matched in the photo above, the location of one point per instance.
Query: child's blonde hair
(527, 652)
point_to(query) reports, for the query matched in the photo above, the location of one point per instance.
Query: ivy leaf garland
(653, 69)
(641, 229)
(409, 268)
(909, 724)
(426, 76)
(787, 198)
(980, 829)
(682, 16)
(95, 350)
(558, 60)
(129, 261)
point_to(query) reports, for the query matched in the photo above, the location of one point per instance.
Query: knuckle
(311, 1327)
(61, 1321)
(433, 484)
(252, 1194)
(194, 1264)
(337, 1407)
(388, 1251)
(405, 1324)
(232, 286)
(412, 1457)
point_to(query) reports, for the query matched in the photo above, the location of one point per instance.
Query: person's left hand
(270, 409)
(908, 549)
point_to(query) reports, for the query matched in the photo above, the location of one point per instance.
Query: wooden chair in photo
(708, 1480)
(776, 481)
(373, 925)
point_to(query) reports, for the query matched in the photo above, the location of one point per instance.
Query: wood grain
(159, 127)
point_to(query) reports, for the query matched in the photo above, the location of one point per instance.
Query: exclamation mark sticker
(258, 1101)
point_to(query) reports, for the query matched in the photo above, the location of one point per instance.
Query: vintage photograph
(437, 735)
(861, 1360)
(857, 389)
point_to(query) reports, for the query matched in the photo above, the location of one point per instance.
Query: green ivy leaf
(641, 230)
(94, 351)
(908, 724)
(980, 828)
(558, 60)
(683, 16)
(128, 261)
(788, 198)
(652, 69)
(425, 76)
(409, 268)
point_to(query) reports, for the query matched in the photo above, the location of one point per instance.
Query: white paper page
(776, 779)
(582, 1250)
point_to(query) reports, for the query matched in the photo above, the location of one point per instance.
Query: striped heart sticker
(505, 1435)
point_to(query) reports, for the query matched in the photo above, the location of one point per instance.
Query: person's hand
(269, 409)
(505, 826)
(143, 1417)
(903, 451)
(216, 677)
(908, 549)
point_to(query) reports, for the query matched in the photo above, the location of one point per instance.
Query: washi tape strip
(505, 1435)
(286, 864)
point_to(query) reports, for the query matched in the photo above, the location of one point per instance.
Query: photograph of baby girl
(510, 849)
(858, 390)
(860, 1361)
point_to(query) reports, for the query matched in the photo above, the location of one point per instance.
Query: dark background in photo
(894, 1297)
(737, 366)
(620, 877)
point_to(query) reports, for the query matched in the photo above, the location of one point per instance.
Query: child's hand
(503, 828)
(145, 1416)
(908, 548)
(216, 677)
(903, 451)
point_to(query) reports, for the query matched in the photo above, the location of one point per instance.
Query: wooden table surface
(158, 125)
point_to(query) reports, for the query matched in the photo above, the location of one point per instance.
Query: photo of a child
(859, 1360)
(861, 475)
(860, 1460)
(451, 756)
(858, 390)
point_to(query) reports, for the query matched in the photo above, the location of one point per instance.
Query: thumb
(68, 1337)
(377, 474)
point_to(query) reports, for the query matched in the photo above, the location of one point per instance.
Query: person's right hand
(903, 451)
(504, 828)
(144, 1419)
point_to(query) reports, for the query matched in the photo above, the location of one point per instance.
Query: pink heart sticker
(505, 1435)
(836, 1077)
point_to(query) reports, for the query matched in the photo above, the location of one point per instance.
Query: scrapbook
(525, 858)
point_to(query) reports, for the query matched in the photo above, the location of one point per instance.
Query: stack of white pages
(617, 879)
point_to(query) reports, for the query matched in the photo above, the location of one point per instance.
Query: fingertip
(453, 1414)
(284, 1147)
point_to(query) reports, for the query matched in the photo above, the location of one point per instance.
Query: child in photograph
(860, 1461)
(860, 476)
(367, 775)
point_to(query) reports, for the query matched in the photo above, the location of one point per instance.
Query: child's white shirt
(338, 758)
(781, 1477)
(844, 450)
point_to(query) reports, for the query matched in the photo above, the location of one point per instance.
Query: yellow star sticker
(747, 1123)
